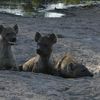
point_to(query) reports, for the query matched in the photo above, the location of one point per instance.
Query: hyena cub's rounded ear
(1, 28)
(37, 36)
(16, 28)
(53, 38)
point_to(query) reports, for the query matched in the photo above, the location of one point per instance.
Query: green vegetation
(36, 3)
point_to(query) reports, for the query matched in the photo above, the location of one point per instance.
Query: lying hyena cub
(42, 62)
(68, 67)
(7, 39)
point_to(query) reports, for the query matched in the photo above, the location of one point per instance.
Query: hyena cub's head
(71, 68)
(45, 43)
(79, 70)
(8, 34)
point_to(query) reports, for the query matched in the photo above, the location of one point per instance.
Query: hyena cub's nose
(38, 51)
(91, 75)
(13, 40)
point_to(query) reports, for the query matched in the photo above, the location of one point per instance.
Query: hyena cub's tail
(20, 67)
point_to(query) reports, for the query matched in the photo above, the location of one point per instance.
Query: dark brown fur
(42, 62)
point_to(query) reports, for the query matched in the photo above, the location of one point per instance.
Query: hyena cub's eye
(8, 34)
(42, 44)
(83, 70)
(45, 45)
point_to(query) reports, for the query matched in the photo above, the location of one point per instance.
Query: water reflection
(58, 6)
(12, 11)
(54, 14)
(34, 8)
(27, 9)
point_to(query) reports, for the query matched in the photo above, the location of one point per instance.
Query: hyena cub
(7, 39)
(42, 62)
(68, 67)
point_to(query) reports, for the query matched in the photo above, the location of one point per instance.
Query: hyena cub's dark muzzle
(43, 52)
(12, 41)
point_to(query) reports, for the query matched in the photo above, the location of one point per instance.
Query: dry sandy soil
(81, 31)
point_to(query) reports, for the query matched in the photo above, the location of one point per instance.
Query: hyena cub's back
(69, 67)
(8, 38)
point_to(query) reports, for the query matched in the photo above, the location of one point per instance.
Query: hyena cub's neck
(5, 48)
(47, 63)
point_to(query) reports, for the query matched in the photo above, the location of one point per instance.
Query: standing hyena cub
(7, 38)
(42, 62)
